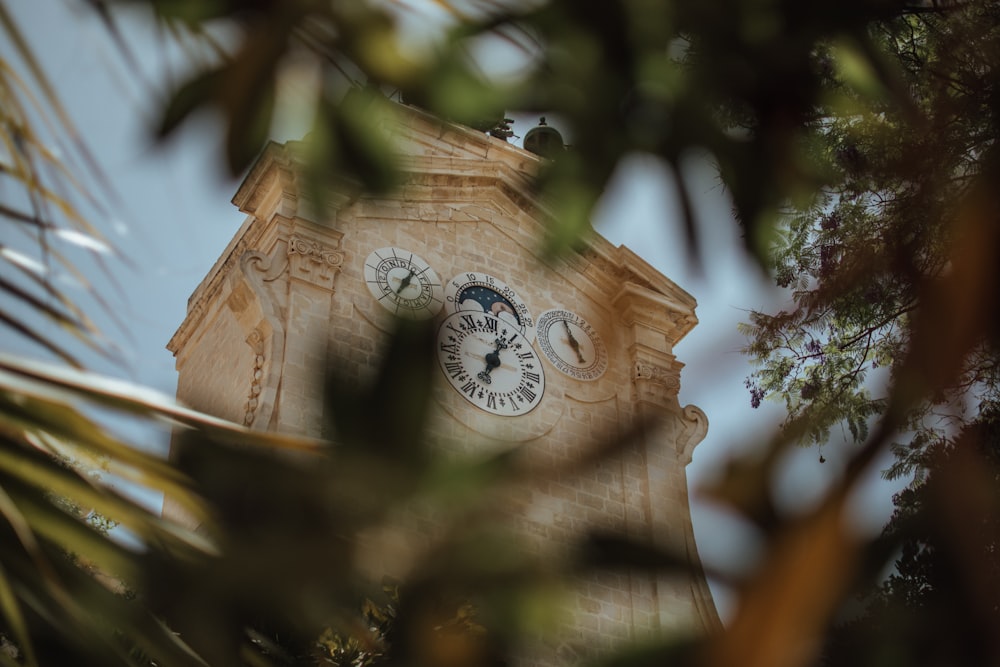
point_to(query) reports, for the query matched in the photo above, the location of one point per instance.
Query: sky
(173, 217)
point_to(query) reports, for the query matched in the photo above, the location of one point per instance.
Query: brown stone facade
(289, 292)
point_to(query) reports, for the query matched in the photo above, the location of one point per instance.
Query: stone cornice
(273, 171)
(673, 318)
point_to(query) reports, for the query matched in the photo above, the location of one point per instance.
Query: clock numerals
(525, 394)
(403, 283)
(572, 345)
(471, 292)
(490, 363)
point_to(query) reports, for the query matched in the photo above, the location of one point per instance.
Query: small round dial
(403, 283)
(489, 362)
(572, 345)
(482, 293)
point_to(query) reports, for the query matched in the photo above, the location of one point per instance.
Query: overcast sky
(174, 218)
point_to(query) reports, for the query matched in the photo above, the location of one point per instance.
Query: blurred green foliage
(858, 143)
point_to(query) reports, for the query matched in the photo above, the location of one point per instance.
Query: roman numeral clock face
(489, 361)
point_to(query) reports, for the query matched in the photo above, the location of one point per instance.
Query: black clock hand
(406, 281)
(492, 361)
(573, 343)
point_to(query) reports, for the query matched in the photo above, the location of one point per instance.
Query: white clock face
(489, 362)
(482, 293)
(572, 345)
(403, 283)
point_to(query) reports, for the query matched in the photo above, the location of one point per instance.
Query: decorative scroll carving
(259, 314)
(315, 251)
(256, 342)
(694, 429)
(259, 268)
(313, 261)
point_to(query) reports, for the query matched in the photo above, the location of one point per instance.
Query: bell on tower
(544, 140)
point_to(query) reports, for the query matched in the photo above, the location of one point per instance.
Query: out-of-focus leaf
(361, 121)
(609, 551)
(195, 93)
(41, 339)
(58, 316)
(52, 523)
(47, 476)
(401, 384)
(86, 620)
(786, 606)
(672, 651)
(57, 185)
(952, 319)
(10, 608)
(62, 384)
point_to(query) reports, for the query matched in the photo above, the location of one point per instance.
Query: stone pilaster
(653, 323)
(314, 260)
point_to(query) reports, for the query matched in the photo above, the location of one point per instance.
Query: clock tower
(534, 353)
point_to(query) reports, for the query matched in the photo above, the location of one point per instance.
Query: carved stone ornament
(657, 382)
(313, 261)
(669, 378)
(256, 342)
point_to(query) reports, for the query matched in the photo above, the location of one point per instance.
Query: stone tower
(533, 353)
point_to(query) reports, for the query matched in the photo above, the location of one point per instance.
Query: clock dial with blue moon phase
(482, 293)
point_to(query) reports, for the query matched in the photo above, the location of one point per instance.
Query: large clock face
(572, 345)
(403, 283)
(489, 362)
(482, 293)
